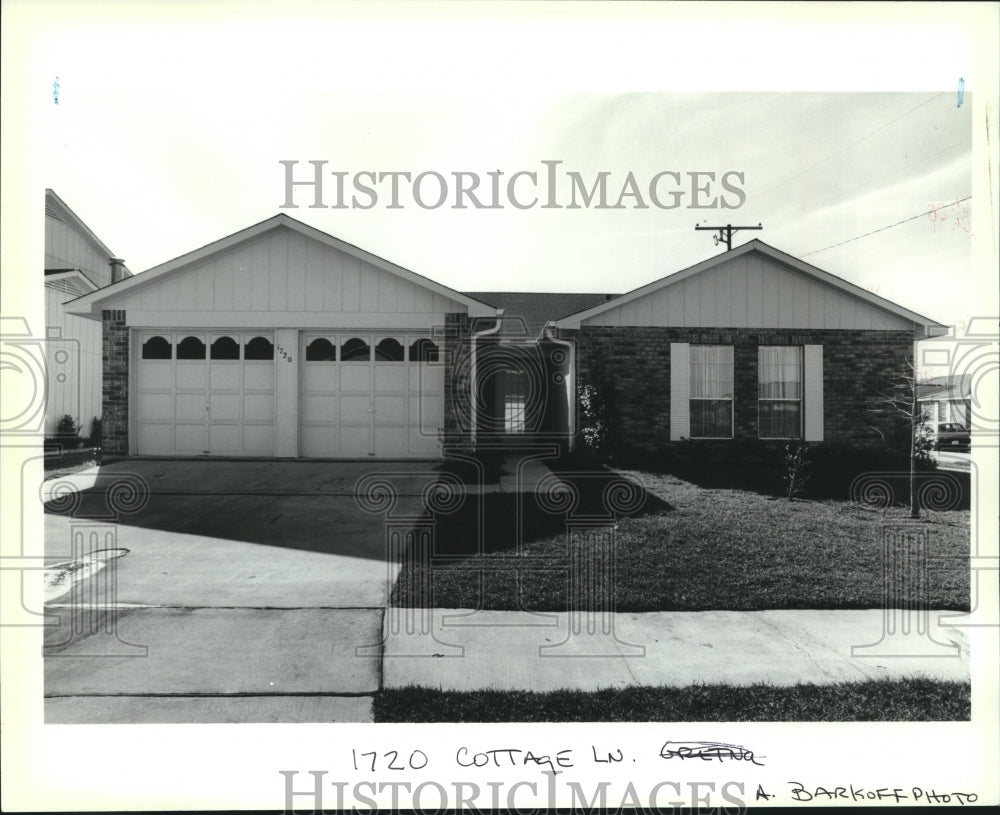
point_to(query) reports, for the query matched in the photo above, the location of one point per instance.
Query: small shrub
(923, 444)
(67, 427)
(95, 432)
(593, 418)
(797, 469)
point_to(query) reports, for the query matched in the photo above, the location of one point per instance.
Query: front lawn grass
(880, 700)
(688, 548)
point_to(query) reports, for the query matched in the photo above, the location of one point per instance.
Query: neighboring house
(76, 262)
(281, 340)
(946, 399)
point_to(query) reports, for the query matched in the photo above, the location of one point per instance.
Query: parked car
(951, 436)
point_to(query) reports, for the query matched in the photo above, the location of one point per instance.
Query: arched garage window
(191, 348)
(355, 350)
(157, 348)
(259, 348)
(320, 350)
(389, 350)
(225, 348)
(423, 350)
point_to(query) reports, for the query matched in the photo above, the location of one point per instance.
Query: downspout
(473, 372)
(570, 381)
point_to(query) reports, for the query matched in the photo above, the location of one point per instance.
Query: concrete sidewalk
(215, 665)
(524, 476)
(523, 651)
(241, 591)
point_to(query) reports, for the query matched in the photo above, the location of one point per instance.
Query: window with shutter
(779, 399)
(711, 399)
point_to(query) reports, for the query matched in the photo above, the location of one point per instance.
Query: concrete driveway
(244, 590)
(953, 460)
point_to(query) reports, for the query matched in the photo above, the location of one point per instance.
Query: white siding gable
(749, 291)
(66, 247)
(283, 278)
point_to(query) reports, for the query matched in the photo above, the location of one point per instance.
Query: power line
(796, 204)
(883, 228)
(852, 144)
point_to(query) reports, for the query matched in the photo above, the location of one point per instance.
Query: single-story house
(281, 340)
(76, 262)
(944, 399)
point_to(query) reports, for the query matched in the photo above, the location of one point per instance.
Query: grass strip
(881, 700)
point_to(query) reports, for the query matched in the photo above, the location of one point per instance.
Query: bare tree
(900, 403)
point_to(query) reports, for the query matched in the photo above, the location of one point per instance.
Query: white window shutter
(812, 366)
(680, 391)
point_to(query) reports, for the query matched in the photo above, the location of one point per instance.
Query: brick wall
(632, 367)
(115, 385)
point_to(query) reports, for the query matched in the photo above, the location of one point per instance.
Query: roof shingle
(526, 312)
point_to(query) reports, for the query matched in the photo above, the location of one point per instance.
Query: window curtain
(711, 372)
(780, 383)
(780, 372)
(711, 391)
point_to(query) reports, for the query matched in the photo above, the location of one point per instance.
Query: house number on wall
(284, 354)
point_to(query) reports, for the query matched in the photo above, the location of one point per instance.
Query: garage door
(370, 395)
(205, 393)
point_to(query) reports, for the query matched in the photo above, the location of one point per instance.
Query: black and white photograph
(476, 406)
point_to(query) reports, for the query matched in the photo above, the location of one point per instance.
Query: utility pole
(725, 233)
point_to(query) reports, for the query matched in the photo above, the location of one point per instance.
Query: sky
(163, 136)
(815, 169)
